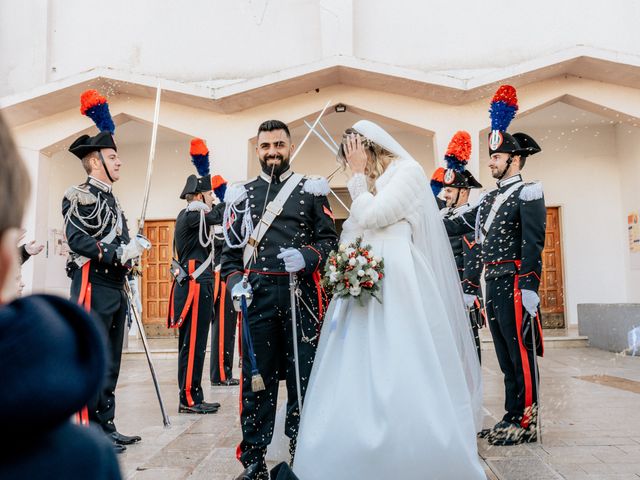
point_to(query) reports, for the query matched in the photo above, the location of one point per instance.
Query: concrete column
(35, 220)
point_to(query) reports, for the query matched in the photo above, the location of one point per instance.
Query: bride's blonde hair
(378, 157)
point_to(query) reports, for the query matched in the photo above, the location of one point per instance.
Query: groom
(299, 233)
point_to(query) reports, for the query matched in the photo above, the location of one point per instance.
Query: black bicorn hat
(95, 106)
(504, 106)
(456, 179)
(195, 184)
(86, 144)
(455, 175)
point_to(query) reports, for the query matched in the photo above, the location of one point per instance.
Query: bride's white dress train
(389, 396)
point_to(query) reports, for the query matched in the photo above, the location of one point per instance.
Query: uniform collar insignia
(510, 181)
(99, 184)
(281, 179)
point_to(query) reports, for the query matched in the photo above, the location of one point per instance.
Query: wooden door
(156, 281)
(551, 287)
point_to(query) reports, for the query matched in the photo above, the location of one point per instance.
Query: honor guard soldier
(510, 225)
(223, 327)
(457, 182)
(281, 223)
(101, 252)
(191, 302)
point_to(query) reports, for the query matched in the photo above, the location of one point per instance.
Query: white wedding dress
(395, 389)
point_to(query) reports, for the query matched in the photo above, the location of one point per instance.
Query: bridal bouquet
(353, 270)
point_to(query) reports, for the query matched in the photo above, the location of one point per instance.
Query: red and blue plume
(200, 156)
(219, 186)
(437, 181)
(503, 108)
(458, 151)
(95, 106)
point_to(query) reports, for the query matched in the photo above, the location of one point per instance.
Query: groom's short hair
(271, 125)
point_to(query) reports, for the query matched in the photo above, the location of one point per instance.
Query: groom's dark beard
(277, 170)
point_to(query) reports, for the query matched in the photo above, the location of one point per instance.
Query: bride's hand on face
(355, 153)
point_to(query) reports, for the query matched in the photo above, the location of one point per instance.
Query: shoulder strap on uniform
(272, 210)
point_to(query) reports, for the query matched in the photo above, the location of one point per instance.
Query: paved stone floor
(590, 414)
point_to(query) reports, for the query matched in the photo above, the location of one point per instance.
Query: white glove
(131, 250)
(33, 248)
(469, 300)
(293, 259)
(135, 294)
(530, 301)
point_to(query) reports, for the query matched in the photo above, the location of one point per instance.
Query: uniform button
(253, 205)
(264, 269)
(254, 216)
(106, 270)
(301, 213)
(250, 196)
(302, 224)
(302, 202)
(302, 234)
(300, 184)
(263, 259)
(250, 188)
(261, 248)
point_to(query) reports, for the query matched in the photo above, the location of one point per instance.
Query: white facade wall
(204, 40)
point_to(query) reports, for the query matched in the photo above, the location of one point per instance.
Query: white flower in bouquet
(355, 290)
(333, 277)
(361, 260)
(352, 262)
(349, 250)
(377, 259)
(332, 268)
(373, 263)
(361, 273)
(342, 247)
(371, 273)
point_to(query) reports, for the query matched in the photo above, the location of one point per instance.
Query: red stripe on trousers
(84, 299)
(524, 357)
(221, 320)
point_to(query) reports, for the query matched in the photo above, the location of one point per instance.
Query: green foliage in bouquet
(354, 271)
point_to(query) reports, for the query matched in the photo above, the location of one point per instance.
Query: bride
(395, 390)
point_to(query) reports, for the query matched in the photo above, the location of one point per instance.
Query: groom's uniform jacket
(306, 223)
(512, 246)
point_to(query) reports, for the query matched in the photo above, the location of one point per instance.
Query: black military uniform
(306, 223)
(223, 328)
(467, 254)
(512, 245)
(191, 302)
(96, 229)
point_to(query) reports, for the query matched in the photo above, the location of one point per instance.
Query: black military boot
(119, 448)
(199, 408)
(514, 434)
(120, 439)
(489, 432)
(255, 471)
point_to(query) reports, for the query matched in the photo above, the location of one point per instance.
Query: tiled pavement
(591, 426)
